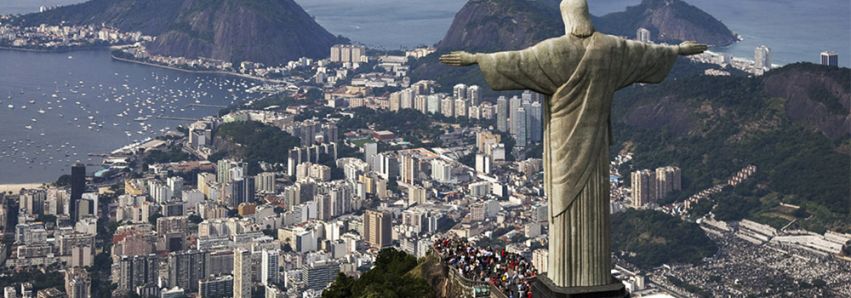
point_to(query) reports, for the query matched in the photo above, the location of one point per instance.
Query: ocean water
(795, 30)
(58, 108)
(27, 6)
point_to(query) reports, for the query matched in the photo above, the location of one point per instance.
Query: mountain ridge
(668, 21)
(748, 120)
(491, 25)
(265, 31)
(499, 25)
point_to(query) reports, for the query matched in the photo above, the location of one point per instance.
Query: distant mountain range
(276, 31)
(490, 25)
(266, 31)
(496, 25)
(670, 21)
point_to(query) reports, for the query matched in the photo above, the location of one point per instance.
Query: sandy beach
(15, 188)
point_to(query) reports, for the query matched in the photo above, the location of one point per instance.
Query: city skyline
(371, 169)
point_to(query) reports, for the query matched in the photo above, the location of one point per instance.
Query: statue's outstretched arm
(689, 48)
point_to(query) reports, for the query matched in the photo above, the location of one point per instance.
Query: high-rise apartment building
(474, 95)
(134, 271)
(643, 187)
(668, 179)
(483, 163)
(519, 127)
(643, 35)
(447, 107)
(78, 186)
(485, 140)
(535, 122)
(175, 186)
(410, 168)
(265, 183)
(78, 284)
(830, 58)
(514, 104)
(347, 53)
(216, 286)
(502, 114)
(269, 267)
(318, 275)
(650, 186)
(242, 273)
(461, 107)
(417, 195)
(433, 104)
(187, 268)
(388, 165)
(459, 91)
(377, 228)
(421, 103)
(441, 170)
(762, 59)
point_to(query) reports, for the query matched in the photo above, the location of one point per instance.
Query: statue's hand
(689, 48)
(458, 59)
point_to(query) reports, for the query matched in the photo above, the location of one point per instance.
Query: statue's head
(577, 19)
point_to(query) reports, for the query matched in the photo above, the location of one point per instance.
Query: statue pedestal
(543, 287)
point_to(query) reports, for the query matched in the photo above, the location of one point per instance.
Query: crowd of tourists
(508, 272)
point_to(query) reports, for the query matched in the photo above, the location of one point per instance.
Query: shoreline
(212, 72)
(57, 51)
(16, 187)
(108, 48)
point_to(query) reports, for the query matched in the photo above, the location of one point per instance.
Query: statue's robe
(581, 76)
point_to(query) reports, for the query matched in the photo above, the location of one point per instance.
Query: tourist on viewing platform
(508, 272)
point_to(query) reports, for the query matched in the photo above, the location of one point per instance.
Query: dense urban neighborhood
(340, 163)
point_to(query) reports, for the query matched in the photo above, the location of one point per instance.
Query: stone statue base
(543, 287)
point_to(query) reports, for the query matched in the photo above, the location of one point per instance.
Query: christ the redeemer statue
(580, 73)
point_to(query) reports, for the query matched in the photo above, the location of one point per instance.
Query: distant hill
(654, 238)
(496, 25)
(266, 31)
(151, 17)
(792, 123)
(669, 21)
(395, 274)
(819, 97)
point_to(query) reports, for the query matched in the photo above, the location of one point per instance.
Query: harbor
(59, 108)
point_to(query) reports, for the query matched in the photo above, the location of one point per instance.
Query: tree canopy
(386, 279)
(258, 142)
(652, 238)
